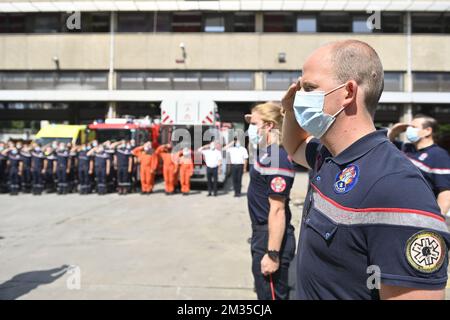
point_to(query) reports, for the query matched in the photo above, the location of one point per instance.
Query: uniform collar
(361, 147)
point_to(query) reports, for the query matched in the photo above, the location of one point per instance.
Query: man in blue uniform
(84, 167)
(62, 168)
(101, 167)
(123, 161)
(25, 172)
(371, 227)
(13, 166)
(3, 159)
(37, 170)
(432, 160)
(50, 168)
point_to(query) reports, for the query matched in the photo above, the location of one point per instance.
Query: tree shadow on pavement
(23, 283)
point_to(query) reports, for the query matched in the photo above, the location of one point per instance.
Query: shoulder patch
(426, 251)
(278, 184)
(346, 179)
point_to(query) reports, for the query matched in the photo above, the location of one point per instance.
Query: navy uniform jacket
(100, 160)
(83, 160)
(51, 158)
(123, 157)
(37, 160)
(62, 158)
(369, 212)
(26, 160)
(269, 176)
(14, 161)
(433, 162)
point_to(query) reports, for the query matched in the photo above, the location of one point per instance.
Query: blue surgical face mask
(412, 134)
(253, 135)
(308, 109)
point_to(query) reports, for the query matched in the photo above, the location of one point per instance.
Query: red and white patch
(278, 184)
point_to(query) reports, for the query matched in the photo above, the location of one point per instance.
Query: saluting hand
(288, 100)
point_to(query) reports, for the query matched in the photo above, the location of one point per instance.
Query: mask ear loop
(333, 90)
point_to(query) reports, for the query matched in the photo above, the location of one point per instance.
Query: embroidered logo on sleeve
(425, 251)
(278, 184)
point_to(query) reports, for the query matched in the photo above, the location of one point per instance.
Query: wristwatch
(273, 255)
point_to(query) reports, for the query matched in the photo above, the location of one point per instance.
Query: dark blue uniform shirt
(37, 160)
(62, 158)
(123, 157)
(433, 162)
(83, 160)
(26, 159)
(369, 209)
(271, 174)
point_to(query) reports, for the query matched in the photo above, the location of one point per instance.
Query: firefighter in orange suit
(148, 159)
(186, 170)
(170, 167)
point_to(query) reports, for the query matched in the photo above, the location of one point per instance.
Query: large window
(134, 22)
(431, 81)
(214, 23)
(393, 81)
(335, 22)
(359, 24)
(306, 23)
(189, 80)
(187, 22)
(47, 23)
(243, 22)
(430, 22)
(49, 80)
(279, 80)
(279, 22)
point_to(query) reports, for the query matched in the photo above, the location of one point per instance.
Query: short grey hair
(358, 61)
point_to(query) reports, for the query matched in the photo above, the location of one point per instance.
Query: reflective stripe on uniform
(370, 216)
(274, 171)
(427, 169)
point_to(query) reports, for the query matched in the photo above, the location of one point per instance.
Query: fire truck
(193, 124)
(127, 128)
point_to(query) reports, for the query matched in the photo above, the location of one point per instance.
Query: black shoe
(185, 193)
(209, 195)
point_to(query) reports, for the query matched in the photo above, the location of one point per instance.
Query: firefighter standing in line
(102, 164)
(25, 170)
(123, 163)
(148, 159)
(186, 167)
(37, 170)
(170, 167)
(63, 168)
(84, 169)
(3, 159)
(50, 169)
(13, 164)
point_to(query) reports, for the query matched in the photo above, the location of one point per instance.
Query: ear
(428, 131)
(351, 89)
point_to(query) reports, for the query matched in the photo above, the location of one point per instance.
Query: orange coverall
(186, 171)
(149, 164)
(170, 168)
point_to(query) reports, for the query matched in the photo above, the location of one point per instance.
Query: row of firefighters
(103, 168)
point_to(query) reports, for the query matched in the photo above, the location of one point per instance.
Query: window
(359, 24)
(214, 23)
(96, 22)
(68, 81)
(158, 81)
(279, 80)
(213, 81)
(130, 81)
(393, 81)
(41, 80)
(13, 23)
(306, 23)
(14, 80)
(240, 80)
(391, 22)
(431, 81)
(134, 22)
(187, 22)
(278, 22)
(186, 81)
(46, 23)
(427, 22)
(243, 22)
(95, 80)
(163, 22)
(334, 22)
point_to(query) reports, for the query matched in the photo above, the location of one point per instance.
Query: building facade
(77, 61)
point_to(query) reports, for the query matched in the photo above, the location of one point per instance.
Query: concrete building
(79, 60)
